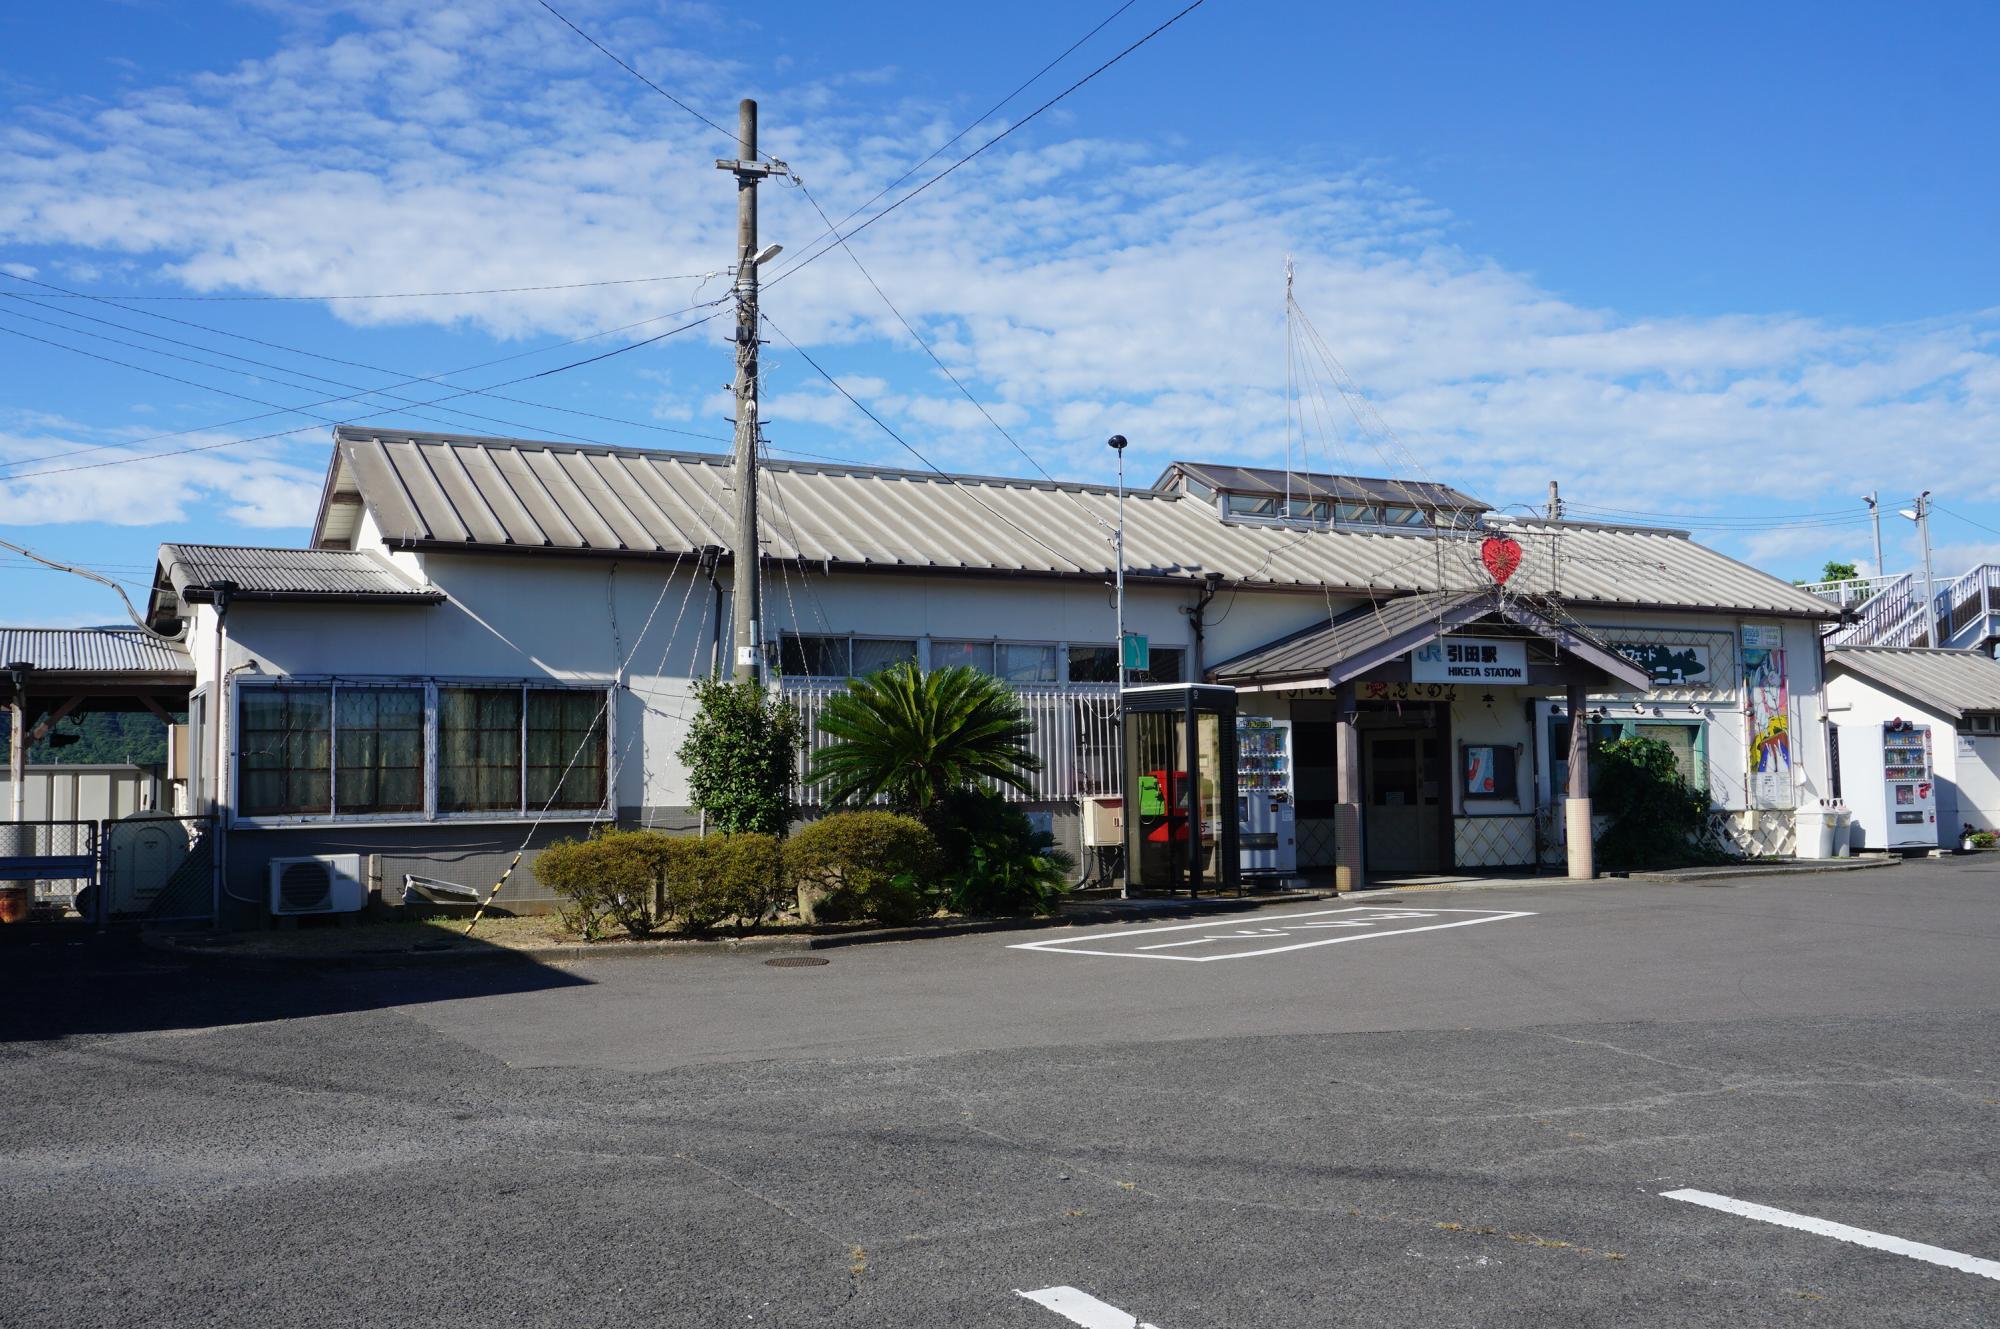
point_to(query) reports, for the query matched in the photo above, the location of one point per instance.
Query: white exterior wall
(1965, 767)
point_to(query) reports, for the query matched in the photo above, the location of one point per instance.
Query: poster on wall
(1769, 710)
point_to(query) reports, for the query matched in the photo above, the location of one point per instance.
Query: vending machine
(1905, 817)
(1266, 817)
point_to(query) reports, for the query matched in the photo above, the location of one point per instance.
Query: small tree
(909, 738)
(742, 753)
(1656, 817)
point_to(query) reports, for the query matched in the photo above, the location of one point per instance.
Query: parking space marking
(1081, 1308)
(1355, 923)
(1916, 1250)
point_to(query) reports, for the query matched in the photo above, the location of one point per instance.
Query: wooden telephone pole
(747, 591)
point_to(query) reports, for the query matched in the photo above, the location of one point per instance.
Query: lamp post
(1117, 444)
(1920, 513)
(1875, 518)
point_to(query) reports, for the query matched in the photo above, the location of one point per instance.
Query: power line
(606, 52)
(942, 366)
(929, 465)
(283, 433)
(1018, 124)
(379, 295)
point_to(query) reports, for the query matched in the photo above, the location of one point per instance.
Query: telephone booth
(1180, 787)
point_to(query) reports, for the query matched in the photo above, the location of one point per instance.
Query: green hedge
(863, 865)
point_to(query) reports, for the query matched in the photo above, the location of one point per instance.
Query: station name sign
(1470, 660)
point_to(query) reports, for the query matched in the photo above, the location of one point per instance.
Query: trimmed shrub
(741, 754)
(723, 877)
(611, 877)
(863, 865)
(996, 862)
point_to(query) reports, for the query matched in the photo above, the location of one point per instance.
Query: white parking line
(1082, 1308)
(1916, 1250)
(1360, 921)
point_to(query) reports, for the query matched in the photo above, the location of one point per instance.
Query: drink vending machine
(1909, 791)
(1267, 818)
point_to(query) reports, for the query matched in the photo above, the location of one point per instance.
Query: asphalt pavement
(1426, 1108)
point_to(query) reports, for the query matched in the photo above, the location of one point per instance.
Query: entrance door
(1403, 775)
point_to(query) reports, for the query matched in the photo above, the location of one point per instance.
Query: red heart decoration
(1501, 554)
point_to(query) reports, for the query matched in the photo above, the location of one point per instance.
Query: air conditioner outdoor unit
(1103, 821)
(322, 884)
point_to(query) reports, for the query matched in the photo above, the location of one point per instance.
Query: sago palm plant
(909, 738)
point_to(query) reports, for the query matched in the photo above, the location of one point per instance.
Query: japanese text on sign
(1469, 660)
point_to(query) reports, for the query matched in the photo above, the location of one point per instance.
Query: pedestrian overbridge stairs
(1891, 611)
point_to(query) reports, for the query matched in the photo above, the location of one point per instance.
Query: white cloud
(1079, 285)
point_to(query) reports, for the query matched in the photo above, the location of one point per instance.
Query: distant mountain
(102, 738)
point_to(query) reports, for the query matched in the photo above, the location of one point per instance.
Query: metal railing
(1075, 735)
(55, 860)
(1850, 592)
(1895, 610)
(143, 868)
(1969, 601)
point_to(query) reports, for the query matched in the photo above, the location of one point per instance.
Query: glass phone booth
(1180, 787)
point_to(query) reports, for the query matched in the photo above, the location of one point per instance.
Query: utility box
(1103, 821)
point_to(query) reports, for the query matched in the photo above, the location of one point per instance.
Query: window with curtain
(379, 746)
(566, 748)
(1685, 740)
(479, 749)
(286, 751)
(805, 655)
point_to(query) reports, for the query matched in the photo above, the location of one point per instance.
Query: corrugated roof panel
(270, 573)
(1953, 682)
(475, 513)
(862, 516)
(93, 651)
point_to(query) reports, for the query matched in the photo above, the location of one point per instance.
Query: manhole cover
(796, 962)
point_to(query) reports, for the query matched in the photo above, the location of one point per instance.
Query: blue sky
(1686, 259)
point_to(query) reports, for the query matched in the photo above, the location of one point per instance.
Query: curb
(1810, 867)
(447, 953)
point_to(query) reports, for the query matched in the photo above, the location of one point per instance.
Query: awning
(1375, 636)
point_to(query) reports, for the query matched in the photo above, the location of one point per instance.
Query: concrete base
(1582, 842)
(1348, 872)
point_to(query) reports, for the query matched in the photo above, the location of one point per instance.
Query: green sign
(1138, 651)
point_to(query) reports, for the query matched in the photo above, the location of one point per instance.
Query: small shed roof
(110, 650)
(450, 492)
(342, 575)
(1949, 682)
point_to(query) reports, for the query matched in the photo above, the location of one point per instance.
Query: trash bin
(1813, 828)
(1843, 830)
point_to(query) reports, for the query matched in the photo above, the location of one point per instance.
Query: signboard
(1671, 666)
(1470, 660)
(1761, 637)
(1404, 692)
(1138, 651)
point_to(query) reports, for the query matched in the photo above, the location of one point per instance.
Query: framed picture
(1490, 770)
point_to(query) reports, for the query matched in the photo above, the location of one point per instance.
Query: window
(479, 749)
(1093, 664)
(379, 742)
(1306, 509)
(873, 653)
(1252, 505)
(1019, 663)
(803, 656)
(1685, 740)
(1168, 665)
(1395, 514)
(286, 751)
(976, 654)
(1489, 770)
(1356, 512)
(566, 749)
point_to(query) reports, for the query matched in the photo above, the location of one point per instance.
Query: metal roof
(185, 572)
(1951, 682)
(454, 492)
(93, 651)
(1362, 639)
(1319, 484)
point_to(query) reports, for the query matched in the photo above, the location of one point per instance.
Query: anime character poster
(1769, 705)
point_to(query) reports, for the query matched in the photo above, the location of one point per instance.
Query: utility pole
(1930, 586)
(747, 591)
(1117, 444)
(1875, 517)
(1555, 503)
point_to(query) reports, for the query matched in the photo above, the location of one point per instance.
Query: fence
(1075, 734)
(145, 868)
